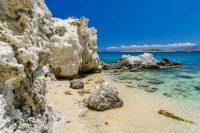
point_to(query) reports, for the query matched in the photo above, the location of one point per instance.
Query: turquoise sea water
(179, 83)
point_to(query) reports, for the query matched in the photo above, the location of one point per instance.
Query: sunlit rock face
(145, 59)
(76, 49)
(30, 47)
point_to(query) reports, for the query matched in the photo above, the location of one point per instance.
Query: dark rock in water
(76, 84)
(167, 60)
(115, 71)
(143, 85)
(185, 96)
(161, 63)
(175, 63)
(137, 78)
(180, 90)
(103, 98)
(156, 82)
(153, 89)
(134, 70)
(197, 88)
(167, 95)
(185, 76)
(152, 66)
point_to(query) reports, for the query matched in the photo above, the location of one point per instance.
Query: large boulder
(145, 61)
(103, 98)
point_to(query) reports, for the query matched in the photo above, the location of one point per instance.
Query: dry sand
(138, 115)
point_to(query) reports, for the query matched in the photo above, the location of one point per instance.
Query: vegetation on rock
(75, 23)
(60, 30)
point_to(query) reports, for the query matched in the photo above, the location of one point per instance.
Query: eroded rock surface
(76, 84)
(76, 50)
(146, 61)
(30, 46)
(103, 98)
(139, 63)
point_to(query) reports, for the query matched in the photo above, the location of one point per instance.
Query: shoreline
(139, 113)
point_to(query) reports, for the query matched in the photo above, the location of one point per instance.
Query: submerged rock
(156, 82)
(76, 84)
(143, 84)
(153, 89)
(104, 98)
(185, 76)
(197, 88)
(167, 95)
(165, 62)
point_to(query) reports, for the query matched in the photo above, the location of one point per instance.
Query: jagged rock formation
(141, 62)
(75, 50)
(27, 36)
(165, 62)
(103, 98)
(144, 61)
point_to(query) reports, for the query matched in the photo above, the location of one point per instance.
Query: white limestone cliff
(30, 48)
(75, 50)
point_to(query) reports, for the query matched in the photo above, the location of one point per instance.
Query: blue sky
(136, 22)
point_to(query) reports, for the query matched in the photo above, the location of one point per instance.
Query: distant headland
(143, 50)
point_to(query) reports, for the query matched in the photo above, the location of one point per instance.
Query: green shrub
(60, 30)
(75, 23)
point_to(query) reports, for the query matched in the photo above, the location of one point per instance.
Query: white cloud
(161, 46)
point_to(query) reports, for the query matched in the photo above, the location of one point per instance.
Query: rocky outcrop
(145, 61)
(30, 46)
(104, 98)
(138, 63)
(23, 56)
(75, 50)
(165, 62)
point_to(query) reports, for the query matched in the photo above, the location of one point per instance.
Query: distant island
(165, 49)
(143, 50)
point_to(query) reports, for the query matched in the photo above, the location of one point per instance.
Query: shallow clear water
(180, 83)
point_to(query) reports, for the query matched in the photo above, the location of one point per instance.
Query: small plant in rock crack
(75, 23)
(60, 30)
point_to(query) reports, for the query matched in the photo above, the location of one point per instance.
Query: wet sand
(138, 115)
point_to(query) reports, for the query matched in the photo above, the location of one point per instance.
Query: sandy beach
(139, 113)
